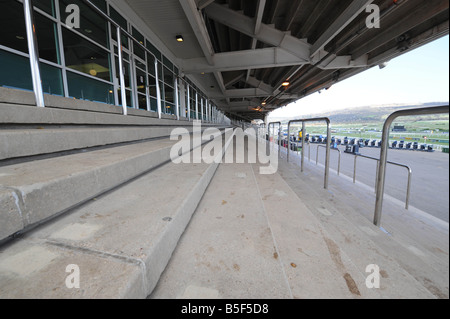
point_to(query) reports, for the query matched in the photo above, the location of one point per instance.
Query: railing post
(158, 92)
(303, 143)
(385, 147)
(177, 103)
(327, 158)
(121, 75)
(33, 52)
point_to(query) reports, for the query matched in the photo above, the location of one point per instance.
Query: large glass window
(136, 48)
(92, 24)
(122, 22)
(86, 57)
(47, 37)
(51, 79)
(15, 71)
(12, 26)
(84, 88)
(47, 6)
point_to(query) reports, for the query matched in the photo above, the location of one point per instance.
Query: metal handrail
(333, 149)
(385, 147)
(408, 188)
(328, 145)
(279, 134)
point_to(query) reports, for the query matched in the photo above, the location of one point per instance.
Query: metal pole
(289, 142)
(188, 102)
(196, 105)
(303, 144)
(327, 158)
(177, 106)
(385, 147)
(158, 92)
(121, 75)
(34, 53)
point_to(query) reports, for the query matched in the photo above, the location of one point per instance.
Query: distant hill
(371, 114)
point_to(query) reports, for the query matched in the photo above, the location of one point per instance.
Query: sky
(419, 76)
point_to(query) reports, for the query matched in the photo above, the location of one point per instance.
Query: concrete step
(262, 242)
(19, 142)
(120, 241)
(32, 192)
(270, 236)
(415, 240)
(68, 124)
(357, 238)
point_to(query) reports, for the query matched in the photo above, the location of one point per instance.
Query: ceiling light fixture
(179, 38)
(286, 83)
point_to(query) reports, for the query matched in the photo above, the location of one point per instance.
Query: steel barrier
(381, 177)
(408, 188)
(279, 134)
(327, 158)
(333, 149)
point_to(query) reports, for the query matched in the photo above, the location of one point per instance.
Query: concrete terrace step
(261, 242)
(120, 241)
(34, 191)
(38, 140)
(415, 240)
(357, 238)
(270, 238)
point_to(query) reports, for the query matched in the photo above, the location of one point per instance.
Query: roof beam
(266, 34)
(242, 60)
(198, 25)
(350, 13)
(422, 12)
(202, 4)
(242, 93)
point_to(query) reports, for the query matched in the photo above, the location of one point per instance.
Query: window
(84, 56)
(12, 26)
(92, 24)
(84, 88)
(47, 35)
(122, 22)
(46, 6)
(51, 79)
(15, 72)
(136, 48)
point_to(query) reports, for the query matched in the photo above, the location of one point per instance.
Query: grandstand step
(120, 241)
(37, 140)
(32, 192)
(346, 210)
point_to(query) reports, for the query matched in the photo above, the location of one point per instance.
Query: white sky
(419, 76)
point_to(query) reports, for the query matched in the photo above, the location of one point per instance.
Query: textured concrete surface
(318, 242)
(121, 241)
(45, 140)
(429, 183)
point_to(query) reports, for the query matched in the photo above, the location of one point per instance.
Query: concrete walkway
(284, 236)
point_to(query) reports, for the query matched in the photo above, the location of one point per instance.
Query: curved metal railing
(381, 177)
